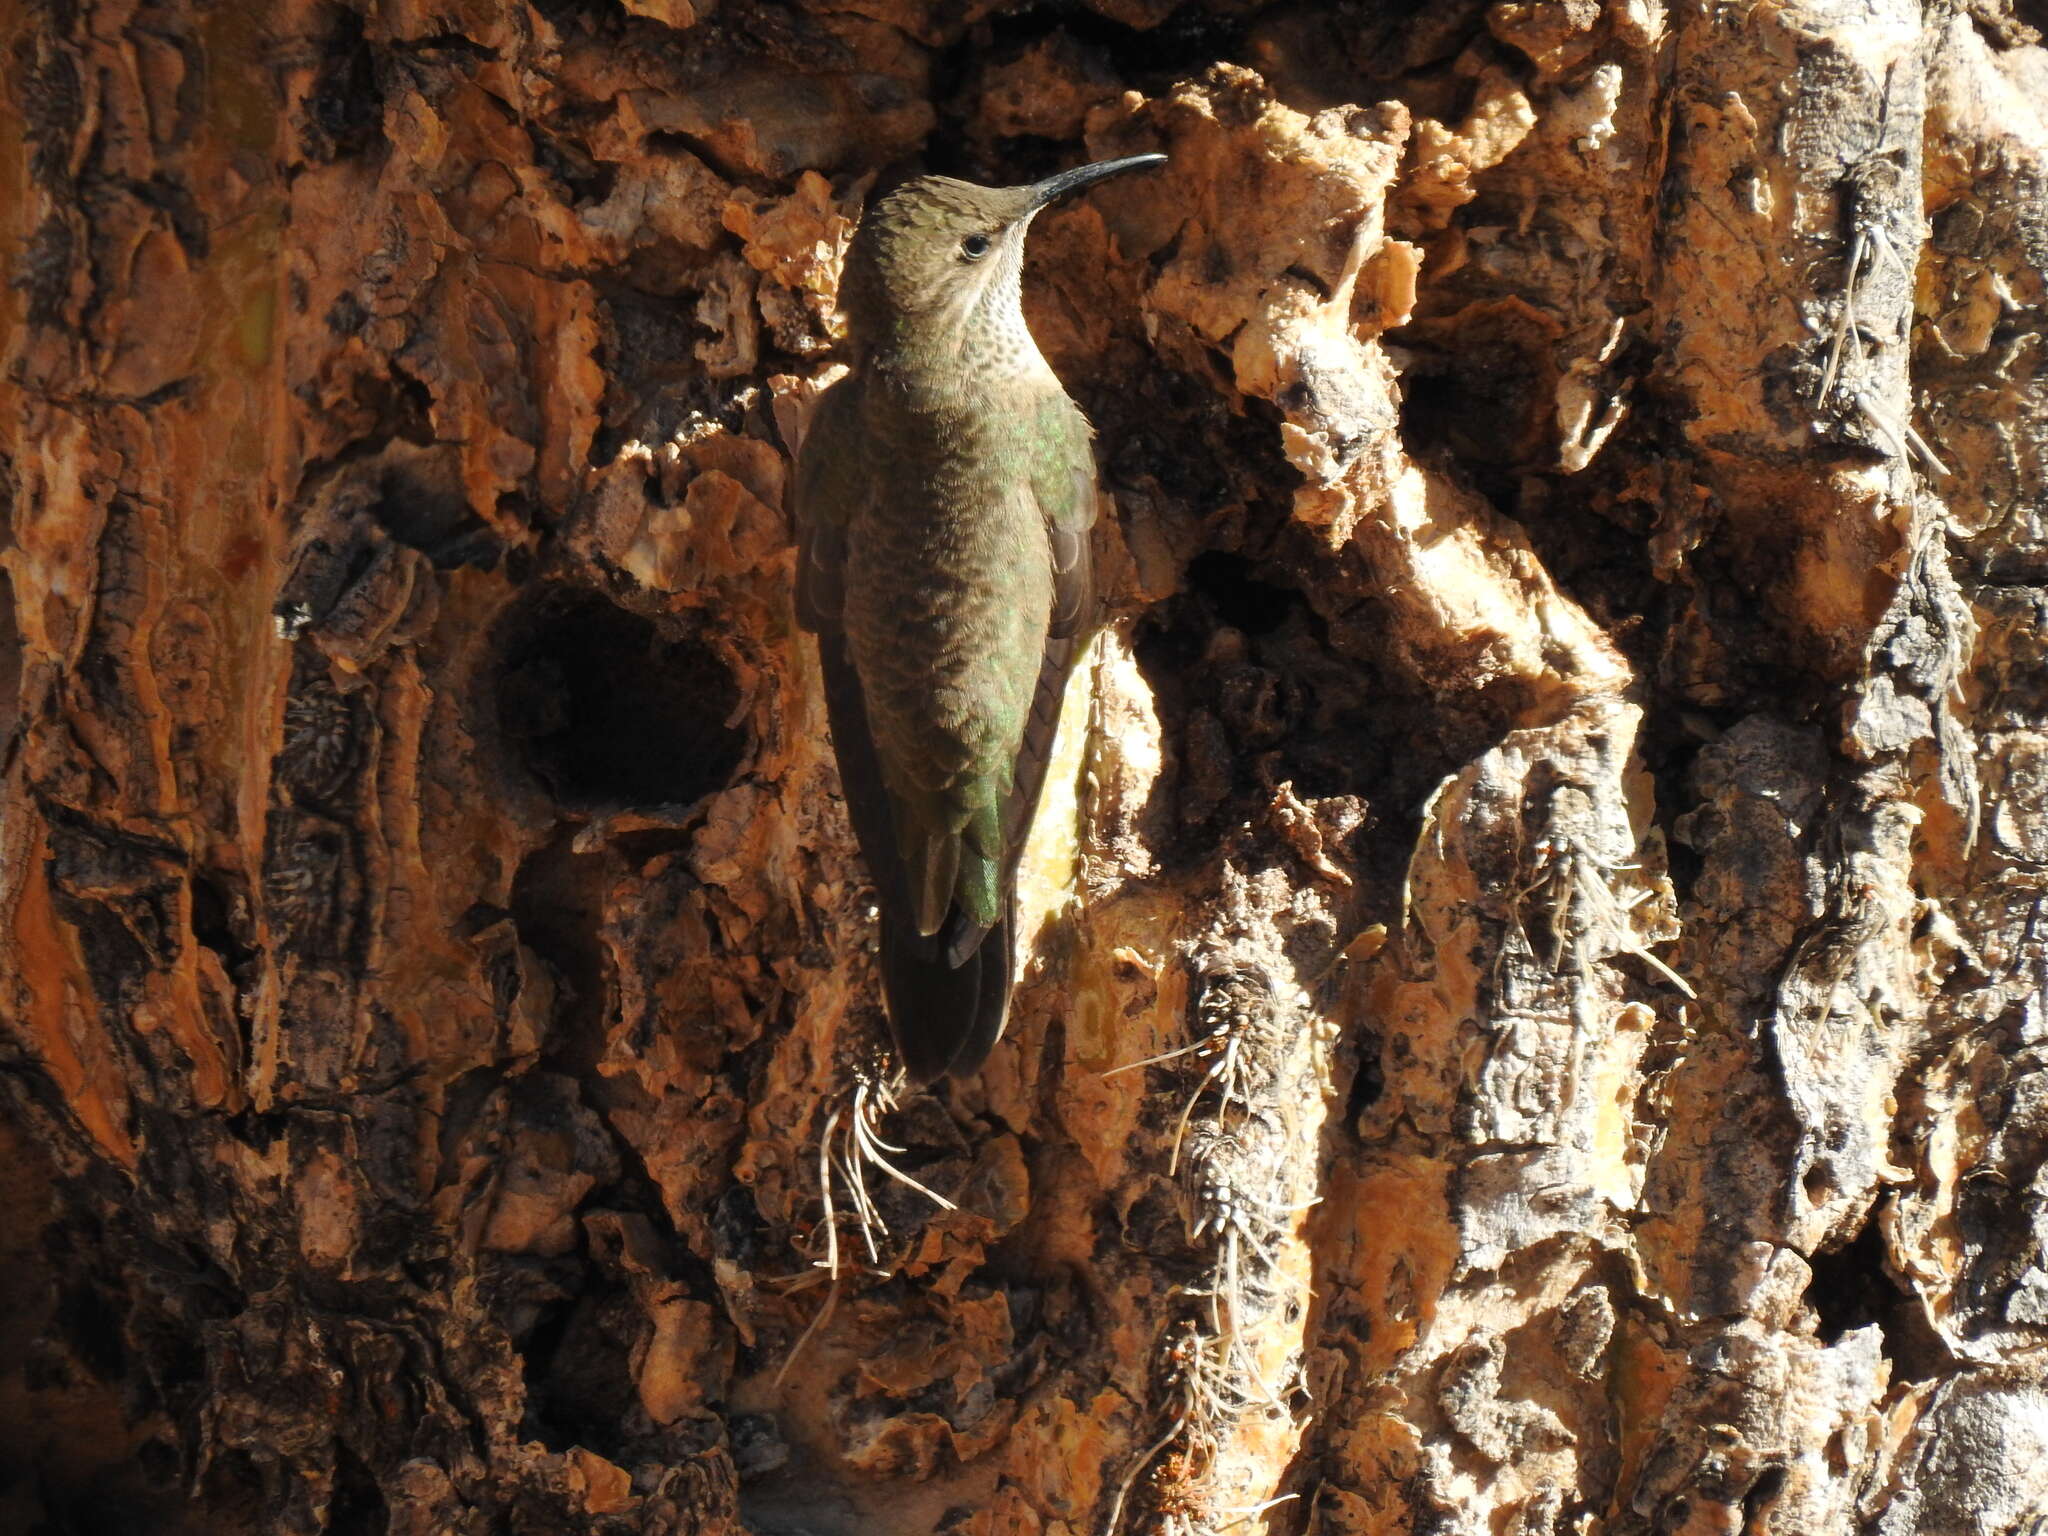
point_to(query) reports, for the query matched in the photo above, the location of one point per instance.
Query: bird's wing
(830, 478)
(1063, 480)
(1063, 483)
(948, 993)
(960, 871)
(942, 1009)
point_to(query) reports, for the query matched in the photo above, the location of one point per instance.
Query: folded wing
(947, 991)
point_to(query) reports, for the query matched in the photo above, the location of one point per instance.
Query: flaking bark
(1551, 830)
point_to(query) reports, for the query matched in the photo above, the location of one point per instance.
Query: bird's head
(935, 254)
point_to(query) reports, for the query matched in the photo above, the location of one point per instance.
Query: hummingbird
(944, 496)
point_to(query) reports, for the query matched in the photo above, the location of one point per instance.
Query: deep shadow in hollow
(1256, 687)
(608, 711)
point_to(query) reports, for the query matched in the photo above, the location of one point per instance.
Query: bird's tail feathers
(948, 993)
(932, 861)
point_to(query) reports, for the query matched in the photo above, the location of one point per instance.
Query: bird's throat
(987, 345)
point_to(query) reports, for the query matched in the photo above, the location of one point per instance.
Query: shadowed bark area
(1552, 827)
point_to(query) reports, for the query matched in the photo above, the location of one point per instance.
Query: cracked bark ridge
(1530, 1017)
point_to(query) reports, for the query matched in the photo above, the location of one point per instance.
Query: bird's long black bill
(1055, 187)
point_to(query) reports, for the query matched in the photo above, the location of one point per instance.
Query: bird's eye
(974, 247)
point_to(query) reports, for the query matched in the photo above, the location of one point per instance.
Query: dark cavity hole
(1189, 39)
(1369, 1082)
(1483, 397)
(610, 713)
(1474, 416)
(1851, 1287)
(422, 504)
(589, 181)
(1761, 1495)
(579, 1374)
(1236, 596)
(345, 108)
(356, 1507)
(160, 1464)
(88, 1323)
(217, 925)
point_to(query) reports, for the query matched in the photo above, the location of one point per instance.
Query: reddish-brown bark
(1564, 749)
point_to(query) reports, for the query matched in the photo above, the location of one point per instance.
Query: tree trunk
(1559, 801)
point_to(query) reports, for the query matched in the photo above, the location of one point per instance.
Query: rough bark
(1562, 788)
